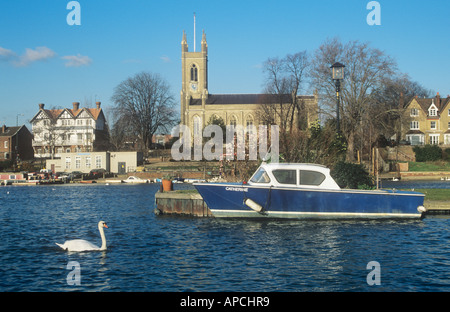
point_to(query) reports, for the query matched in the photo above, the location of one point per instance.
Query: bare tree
(144, 105)
(281, 105)
(391, 98)
(366, 70)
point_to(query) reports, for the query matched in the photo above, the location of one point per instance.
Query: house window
(98, 161)
(449, 124)
(6, 144)
(88, 162)
(414, 125)
(414, 112)
(77, 162)
(446, 139)
(68, 162)
(449, 111)
(433, 125)
(79, 137)
(434, 139)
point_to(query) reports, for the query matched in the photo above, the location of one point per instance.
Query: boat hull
(237, 200)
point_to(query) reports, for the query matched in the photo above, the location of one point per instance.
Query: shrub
(446, 154)
(428, 153)
(354, 176)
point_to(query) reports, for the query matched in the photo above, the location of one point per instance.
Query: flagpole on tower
(194, 31)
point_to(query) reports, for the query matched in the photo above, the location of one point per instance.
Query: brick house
(15, 143)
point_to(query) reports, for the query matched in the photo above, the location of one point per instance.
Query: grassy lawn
(435, 194)
(429, 166)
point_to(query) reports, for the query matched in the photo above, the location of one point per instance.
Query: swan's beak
(104, 225)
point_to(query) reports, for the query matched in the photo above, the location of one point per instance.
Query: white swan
(84, 245)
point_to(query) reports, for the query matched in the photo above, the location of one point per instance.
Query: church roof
(224, 99)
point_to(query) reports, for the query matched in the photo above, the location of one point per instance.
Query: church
(198, 105)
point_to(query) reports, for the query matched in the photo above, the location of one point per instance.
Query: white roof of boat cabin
(296, 166)
(327, 183)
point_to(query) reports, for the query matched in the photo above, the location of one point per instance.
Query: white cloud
(77, 60)
(6, 54)
(41, 54)
(31, 56)
(165, 58)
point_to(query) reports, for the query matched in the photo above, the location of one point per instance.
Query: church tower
(194, 78)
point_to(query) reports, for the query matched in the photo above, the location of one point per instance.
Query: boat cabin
(294, 175)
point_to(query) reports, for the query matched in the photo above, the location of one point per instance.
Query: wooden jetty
(437, 208)
(181, 203)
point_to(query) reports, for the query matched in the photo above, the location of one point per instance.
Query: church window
(249, 124)
(233, 121)
(197, 126)
(194, 73)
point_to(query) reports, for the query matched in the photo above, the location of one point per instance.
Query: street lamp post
(337, 75)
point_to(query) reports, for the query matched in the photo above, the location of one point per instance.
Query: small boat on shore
(134, 179)
(305, 191)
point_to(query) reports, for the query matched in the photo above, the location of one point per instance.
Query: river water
(152, 253)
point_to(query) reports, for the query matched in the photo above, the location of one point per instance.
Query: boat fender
(422, 209)
(253, 205)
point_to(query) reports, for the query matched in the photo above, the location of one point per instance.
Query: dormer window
(432, 111)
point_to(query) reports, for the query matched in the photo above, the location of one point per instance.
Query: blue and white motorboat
(305, 191)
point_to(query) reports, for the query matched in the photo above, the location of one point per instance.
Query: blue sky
(45, 60)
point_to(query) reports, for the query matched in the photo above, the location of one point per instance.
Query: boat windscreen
(260, 176)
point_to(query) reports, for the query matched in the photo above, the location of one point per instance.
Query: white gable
(65, 114)
(84, 114)
(41, 115)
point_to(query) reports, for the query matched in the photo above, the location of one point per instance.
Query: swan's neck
(102, 235)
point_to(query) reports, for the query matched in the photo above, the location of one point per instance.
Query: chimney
(98, 104)
(438, 101)
(41, 105)
(3, 128)
(401, 101)
(76, 106)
